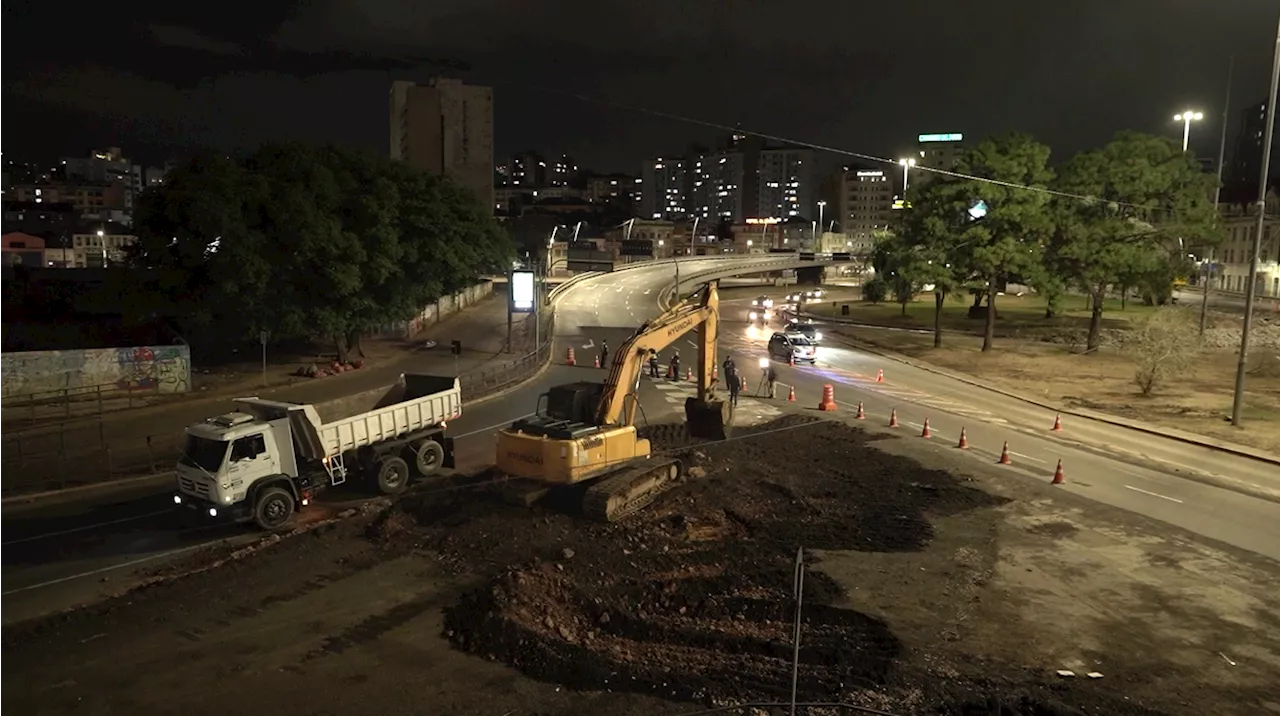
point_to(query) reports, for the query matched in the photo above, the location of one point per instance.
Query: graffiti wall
(160, 369)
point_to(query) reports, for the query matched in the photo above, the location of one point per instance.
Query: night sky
(859, 75)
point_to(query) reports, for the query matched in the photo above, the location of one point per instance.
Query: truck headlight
(213, 512)
(177, 499)
(752, 315)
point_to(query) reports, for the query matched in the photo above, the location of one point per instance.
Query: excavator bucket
(708, 419)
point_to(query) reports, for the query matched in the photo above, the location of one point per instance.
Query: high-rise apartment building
(445, 127)
(939, 151)
(1241, 173)
(865, 204)
(663, 189)
(785, 183)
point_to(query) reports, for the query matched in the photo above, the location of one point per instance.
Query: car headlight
(752, 315)
(817, 335)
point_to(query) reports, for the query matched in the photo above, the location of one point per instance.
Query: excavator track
(623, 493)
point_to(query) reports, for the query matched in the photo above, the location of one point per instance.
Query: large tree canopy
(306, 242)
(986, 229)
(1147, 201)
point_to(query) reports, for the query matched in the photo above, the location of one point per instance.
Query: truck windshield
(204, 453)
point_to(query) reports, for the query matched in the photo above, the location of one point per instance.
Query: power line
(819, 147)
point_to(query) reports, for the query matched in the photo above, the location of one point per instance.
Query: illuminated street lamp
(102, 244)
(906, 164)
(1187, 117)
(821, 206)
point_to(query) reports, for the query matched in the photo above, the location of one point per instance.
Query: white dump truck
(266, 458)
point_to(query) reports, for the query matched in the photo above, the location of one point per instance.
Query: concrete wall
(446, 305)
(162, 369)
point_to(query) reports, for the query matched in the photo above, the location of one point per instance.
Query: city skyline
(192, 80)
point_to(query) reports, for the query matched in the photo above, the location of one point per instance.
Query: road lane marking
(111, 568)
(1033, 459)
(85, 528)
(1153, 494)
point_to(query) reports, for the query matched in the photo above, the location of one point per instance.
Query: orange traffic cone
(743, 384)
(880, 376)
(1058, 477)
(571, 360)
(597, 361)
(791, 396)
(1057, 423)
(964, 440)
(1004, 455)
(791, 360)
(828, 398)
(861, 415)
(926, 433)
(688, 374)
(893, 418)
(715, 373)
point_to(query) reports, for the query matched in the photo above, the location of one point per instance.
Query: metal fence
(84, 454)
(51, 406)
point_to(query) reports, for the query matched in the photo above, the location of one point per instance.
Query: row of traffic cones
(1059, 477)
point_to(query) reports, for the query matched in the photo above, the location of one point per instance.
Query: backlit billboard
(522, 293)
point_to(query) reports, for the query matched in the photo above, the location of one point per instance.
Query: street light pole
(822, 205)
(1186, 117)
(1217, 197)
(1237, 402)
(906, 164)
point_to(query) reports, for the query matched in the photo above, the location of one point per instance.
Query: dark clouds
(866, 76)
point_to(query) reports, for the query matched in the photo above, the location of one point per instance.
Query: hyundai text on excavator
(585, 432)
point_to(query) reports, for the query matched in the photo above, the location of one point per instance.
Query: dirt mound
(693, 597)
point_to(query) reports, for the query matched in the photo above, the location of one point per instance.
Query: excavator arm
(706, 416)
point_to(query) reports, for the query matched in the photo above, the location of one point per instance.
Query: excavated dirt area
(694, 599)
(917, 591)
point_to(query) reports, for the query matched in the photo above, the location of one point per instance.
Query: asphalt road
(60, 554)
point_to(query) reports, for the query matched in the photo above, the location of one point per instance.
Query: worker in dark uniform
(653, 363)
(732, 381)
(771, 380)
(604, 354)
(674, 371)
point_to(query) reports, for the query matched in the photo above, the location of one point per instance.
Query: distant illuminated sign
(978, 210)
(870, 174)
(522, 291)
(764, 221)
(956, 137)
(899, 204)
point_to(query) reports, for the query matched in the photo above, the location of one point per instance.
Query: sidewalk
(129, 441)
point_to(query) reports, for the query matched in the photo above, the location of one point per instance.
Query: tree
(991, 227)
(875, 290)
(1146, 201)
(1160, 346)
(303, 242)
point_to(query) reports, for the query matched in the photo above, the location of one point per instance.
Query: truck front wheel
(393, 475)
(273, 508)
(429, 457)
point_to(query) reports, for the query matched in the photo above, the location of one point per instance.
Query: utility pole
(1217, 197)
(1237, 404)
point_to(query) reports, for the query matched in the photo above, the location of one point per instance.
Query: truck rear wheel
(273, 508)
(429, 457)
(393, 475)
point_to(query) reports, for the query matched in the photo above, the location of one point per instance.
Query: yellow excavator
(585, 432)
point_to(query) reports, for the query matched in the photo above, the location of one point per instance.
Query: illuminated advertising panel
(954, 137)
(522, 294)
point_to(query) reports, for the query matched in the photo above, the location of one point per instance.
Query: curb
(1169, 433)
